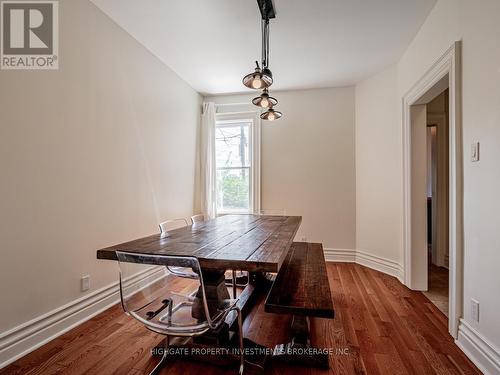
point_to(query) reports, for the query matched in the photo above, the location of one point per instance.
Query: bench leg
(299, 349)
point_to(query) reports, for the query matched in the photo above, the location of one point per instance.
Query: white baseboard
(381, 264)
(484, 355)
(340, 255)
(384, 265)
(23, 339)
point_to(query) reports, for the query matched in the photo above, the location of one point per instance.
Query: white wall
(308, 163)
(481, 118)
(437, 34)
(477, 24)
(378, 172)
(90, 155)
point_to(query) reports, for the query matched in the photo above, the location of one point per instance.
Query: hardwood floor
(381, 327)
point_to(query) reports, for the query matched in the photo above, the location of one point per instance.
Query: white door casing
(446, 71)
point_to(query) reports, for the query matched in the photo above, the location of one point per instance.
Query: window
(236, 159)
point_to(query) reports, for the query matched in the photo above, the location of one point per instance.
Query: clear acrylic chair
(171, 225)
(165, 306)
(198, 218)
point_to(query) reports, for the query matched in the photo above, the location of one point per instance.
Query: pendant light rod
(262, 77)
(267, 11)
(265, 44)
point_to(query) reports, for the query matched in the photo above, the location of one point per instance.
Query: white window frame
(254, 132)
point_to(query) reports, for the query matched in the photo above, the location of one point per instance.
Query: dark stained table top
(242, 242)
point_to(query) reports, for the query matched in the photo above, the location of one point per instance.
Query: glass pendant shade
(264, 100)
(271, 115)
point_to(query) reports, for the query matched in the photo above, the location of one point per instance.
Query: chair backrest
(171, 225)
(197, 218)
(164, 305)
(273, 211)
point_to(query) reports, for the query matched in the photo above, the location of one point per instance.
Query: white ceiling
(212, 44)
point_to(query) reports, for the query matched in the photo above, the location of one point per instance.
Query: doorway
(437, 192)
(444, 74)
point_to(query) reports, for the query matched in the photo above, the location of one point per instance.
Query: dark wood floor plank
(345, 335)
(380, 327)
(372, 319)
(365, 329)
(399, 348)
(389, 300)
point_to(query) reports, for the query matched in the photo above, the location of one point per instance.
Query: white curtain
(207, 154)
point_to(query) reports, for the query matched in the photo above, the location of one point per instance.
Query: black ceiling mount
(267, 10)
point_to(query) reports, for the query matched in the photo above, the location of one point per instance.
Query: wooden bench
(301, 288)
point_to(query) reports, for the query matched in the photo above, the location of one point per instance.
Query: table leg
(221, 338)
(189, 349)
(240, 279)
(216, 293)
(299, 349)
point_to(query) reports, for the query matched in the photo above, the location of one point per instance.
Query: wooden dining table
(254, 243)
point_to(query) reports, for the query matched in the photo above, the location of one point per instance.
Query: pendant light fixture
(262, 78)
(271, 115)
(264, 100)
(258, 79)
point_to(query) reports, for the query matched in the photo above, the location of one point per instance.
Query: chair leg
(242, 348)
(163, 360)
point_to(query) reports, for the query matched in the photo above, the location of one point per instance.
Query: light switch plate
(85, 283)
(474, 155)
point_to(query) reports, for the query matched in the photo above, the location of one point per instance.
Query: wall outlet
(474, 152)
(85, 283)
(474, 305)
